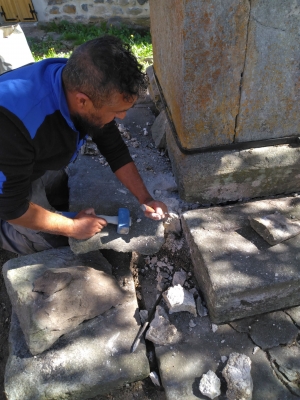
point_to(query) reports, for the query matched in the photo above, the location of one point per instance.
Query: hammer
(123, 219)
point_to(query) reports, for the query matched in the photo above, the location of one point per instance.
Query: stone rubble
(90, 148)
(179, 278)
(161, 331)
(179, 299)
(210, 385)
(237, 374)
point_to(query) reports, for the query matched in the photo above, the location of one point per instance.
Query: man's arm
(83, 226)
(113, 148)
(131, 179)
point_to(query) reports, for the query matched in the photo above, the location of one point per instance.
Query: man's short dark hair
(102, 66)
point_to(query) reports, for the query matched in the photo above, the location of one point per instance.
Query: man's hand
(130, 177)
(87, 224)
(155, 209)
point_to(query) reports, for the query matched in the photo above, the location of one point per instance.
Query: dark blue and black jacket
(37, 133)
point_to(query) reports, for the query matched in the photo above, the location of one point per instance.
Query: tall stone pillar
(228, 73)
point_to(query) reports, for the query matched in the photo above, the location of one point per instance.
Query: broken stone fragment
(90, 148)
(202, 311)
(179, 278)
(173, 224)
(237, 373)
(275, 228)
(143, 316)
(210, 385)
(179, 299)
(161, 331)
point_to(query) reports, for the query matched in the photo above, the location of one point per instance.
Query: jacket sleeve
(16, 165)
(112, 146)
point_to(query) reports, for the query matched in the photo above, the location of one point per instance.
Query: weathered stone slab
(182, 364)
(286, 363)
(158, 130)
(239, 273)
(223, 176)
(153, 89)
(273, 329)
(91, 360)
(269, 97)
(51, 299)
(199, 55)
(275, 228)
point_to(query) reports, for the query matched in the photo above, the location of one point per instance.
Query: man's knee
(24, 242)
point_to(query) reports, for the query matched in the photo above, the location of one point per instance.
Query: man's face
(93, 118)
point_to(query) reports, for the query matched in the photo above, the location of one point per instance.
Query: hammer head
(123, 221)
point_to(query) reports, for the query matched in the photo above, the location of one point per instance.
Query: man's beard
(84, 126)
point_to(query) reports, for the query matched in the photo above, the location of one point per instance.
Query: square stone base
(239, 273)
(221, 176)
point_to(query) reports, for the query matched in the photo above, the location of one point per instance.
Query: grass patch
(74, 34)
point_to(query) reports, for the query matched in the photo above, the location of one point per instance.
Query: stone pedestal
(229, 76)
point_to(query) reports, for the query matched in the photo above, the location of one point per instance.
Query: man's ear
(82, 100)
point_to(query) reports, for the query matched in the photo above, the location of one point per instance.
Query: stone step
(239, 273)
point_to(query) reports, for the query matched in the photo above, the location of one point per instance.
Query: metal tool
(123, 219)
(146, 323)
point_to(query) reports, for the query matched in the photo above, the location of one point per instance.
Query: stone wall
(130, 12)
